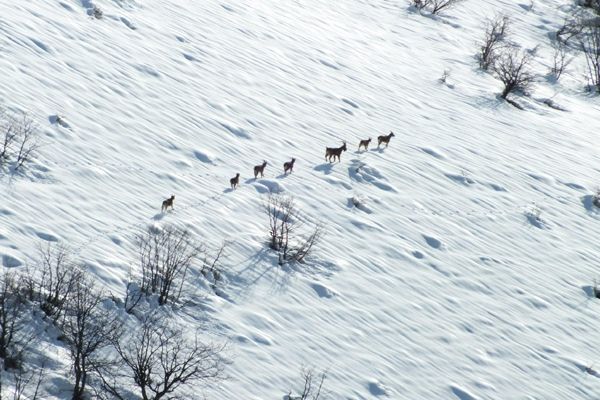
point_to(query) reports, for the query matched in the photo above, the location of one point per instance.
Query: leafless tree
(512, 69)
(561, 59)
(593, 4)
(27, 140)
(58, 277)
(27, 385)
(435, 6)
(590, 44)
(212, 269)
(571, 28)
(8, 136)
(160, 361)
(313, 386)
(494, 40)
(13, 309)
(88, 327)
(285, 224)
(165, 256)
(18, 138)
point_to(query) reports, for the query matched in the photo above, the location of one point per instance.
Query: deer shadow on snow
(326, 168)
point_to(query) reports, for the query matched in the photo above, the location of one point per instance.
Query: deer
(235, 181)
(260, 169)
(288, 166)
(334, 152)
(167, 203)
(385, 139)
(364, 143)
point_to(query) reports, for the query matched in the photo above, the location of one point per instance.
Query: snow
(456, 262)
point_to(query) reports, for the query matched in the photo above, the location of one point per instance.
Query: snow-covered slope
(439, 286)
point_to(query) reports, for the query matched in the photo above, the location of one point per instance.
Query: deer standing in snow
(334, 152)
(385, 139)
(167, 203)
(259, 169)
(288, 166)
(364, 143)
(235, 181)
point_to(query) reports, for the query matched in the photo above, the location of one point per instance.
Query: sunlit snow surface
(443, 283)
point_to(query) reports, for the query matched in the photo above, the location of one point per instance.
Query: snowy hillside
(464, 273)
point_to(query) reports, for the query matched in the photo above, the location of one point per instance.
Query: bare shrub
(561, 60)
(284, 230)
(437, 6)
(434, 6)
(212, 269)
(8, 136)
(159, 361)
(18, 139)
(590, 44)
(13, 336)
(58, 277)
(165, 256)
(88, 327)
(593, 4)
(24, 385)
(571, 28)
(312, 386)
(512, 68)
(496, 31)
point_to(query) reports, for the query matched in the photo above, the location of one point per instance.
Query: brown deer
(260, 169)
(385, 139)
(288, 166)
(235, 181)
(167, 203)
(364, 143)
(334, 152)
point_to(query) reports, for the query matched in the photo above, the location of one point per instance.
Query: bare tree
(283, 218)
(312, 387)
(494, 40)
(590, 44)
(8, 136)
(285, 225)
(13, 338)
(18, 138)
(58, 277)
(593, 4)
(561, 60)
(28, 384)
(165, 256)
(88, 328)
(160, 361)
(435, 6)
(570, 28)
(512, 68)
(212, 269)
(27, 140)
